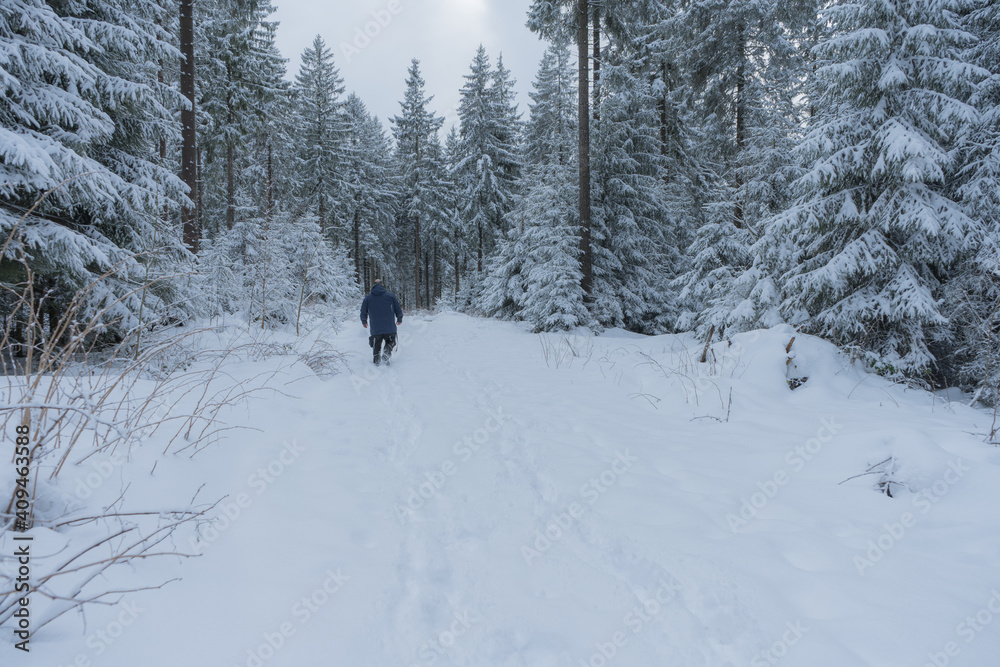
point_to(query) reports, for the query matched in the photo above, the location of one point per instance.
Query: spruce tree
(321, 134)
(81, 119)
(972, 299)
(453, 229)
(862, 253)
(535, 274)
(743, 67)
(489, 166)
(420, 165)
(240, 78)
(509, 159)
(633, 247)
(370, 205)
(573, 17)
(550, 247)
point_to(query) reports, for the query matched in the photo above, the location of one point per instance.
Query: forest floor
(498, 498)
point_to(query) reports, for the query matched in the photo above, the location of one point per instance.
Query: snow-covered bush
(268, 269)
(73, 402)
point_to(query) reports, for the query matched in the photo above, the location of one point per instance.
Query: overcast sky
(442, 34)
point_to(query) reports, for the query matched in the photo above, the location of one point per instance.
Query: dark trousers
(390, 345)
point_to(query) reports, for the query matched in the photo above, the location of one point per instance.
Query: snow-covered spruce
(744, 65)
(550, 151)
(423, 183)
(321, 127)
(488, 164)
(861, 256)
(973, 292)
(80, 117)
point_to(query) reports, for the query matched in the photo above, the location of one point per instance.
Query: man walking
(383, 307)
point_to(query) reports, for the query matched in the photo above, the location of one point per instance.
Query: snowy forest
(698, 352)
(711, 166)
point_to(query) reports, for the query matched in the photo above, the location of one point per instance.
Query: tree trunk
(586, 264)
(357, 244)
(597, 65)
(189, 156)
(740, 123)
(416, 264)
(427, 280)
(269, 188)
(416, 237)
(458, 268)
(230, 166)
(200, 207)
(230, 185)
(161, 79)
(322, 207)
(437, 274)
(663, 110)
(263, 285)
(479, 251)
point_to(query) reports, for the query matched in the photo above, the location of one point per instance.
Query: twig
(870, 471)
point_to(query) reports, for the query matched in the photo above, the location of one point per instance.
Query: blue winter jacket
(383, 307)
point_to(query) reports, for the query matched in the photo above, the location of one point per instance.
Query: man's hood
(378, 290)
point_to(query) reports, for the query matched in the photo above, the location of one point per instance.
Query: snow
(586, 501)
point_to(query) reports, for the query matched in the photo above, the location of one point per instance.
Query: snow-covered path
(499, 498)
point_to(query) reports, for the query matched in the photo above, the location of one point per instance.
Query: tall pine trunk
(189, 154)
(437, 274)
(740, 122)
(427, 280)
(199, 179)
(230, 168)
(161, 79)
(416, 263)
(662, 104)
(416, 239)
(230, 186)
(322, 206)
(269, 189)
(586, 264)
(357, 244)
(597, 66)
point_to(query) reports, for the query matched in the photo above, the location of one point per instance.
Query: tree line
(706, 165)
